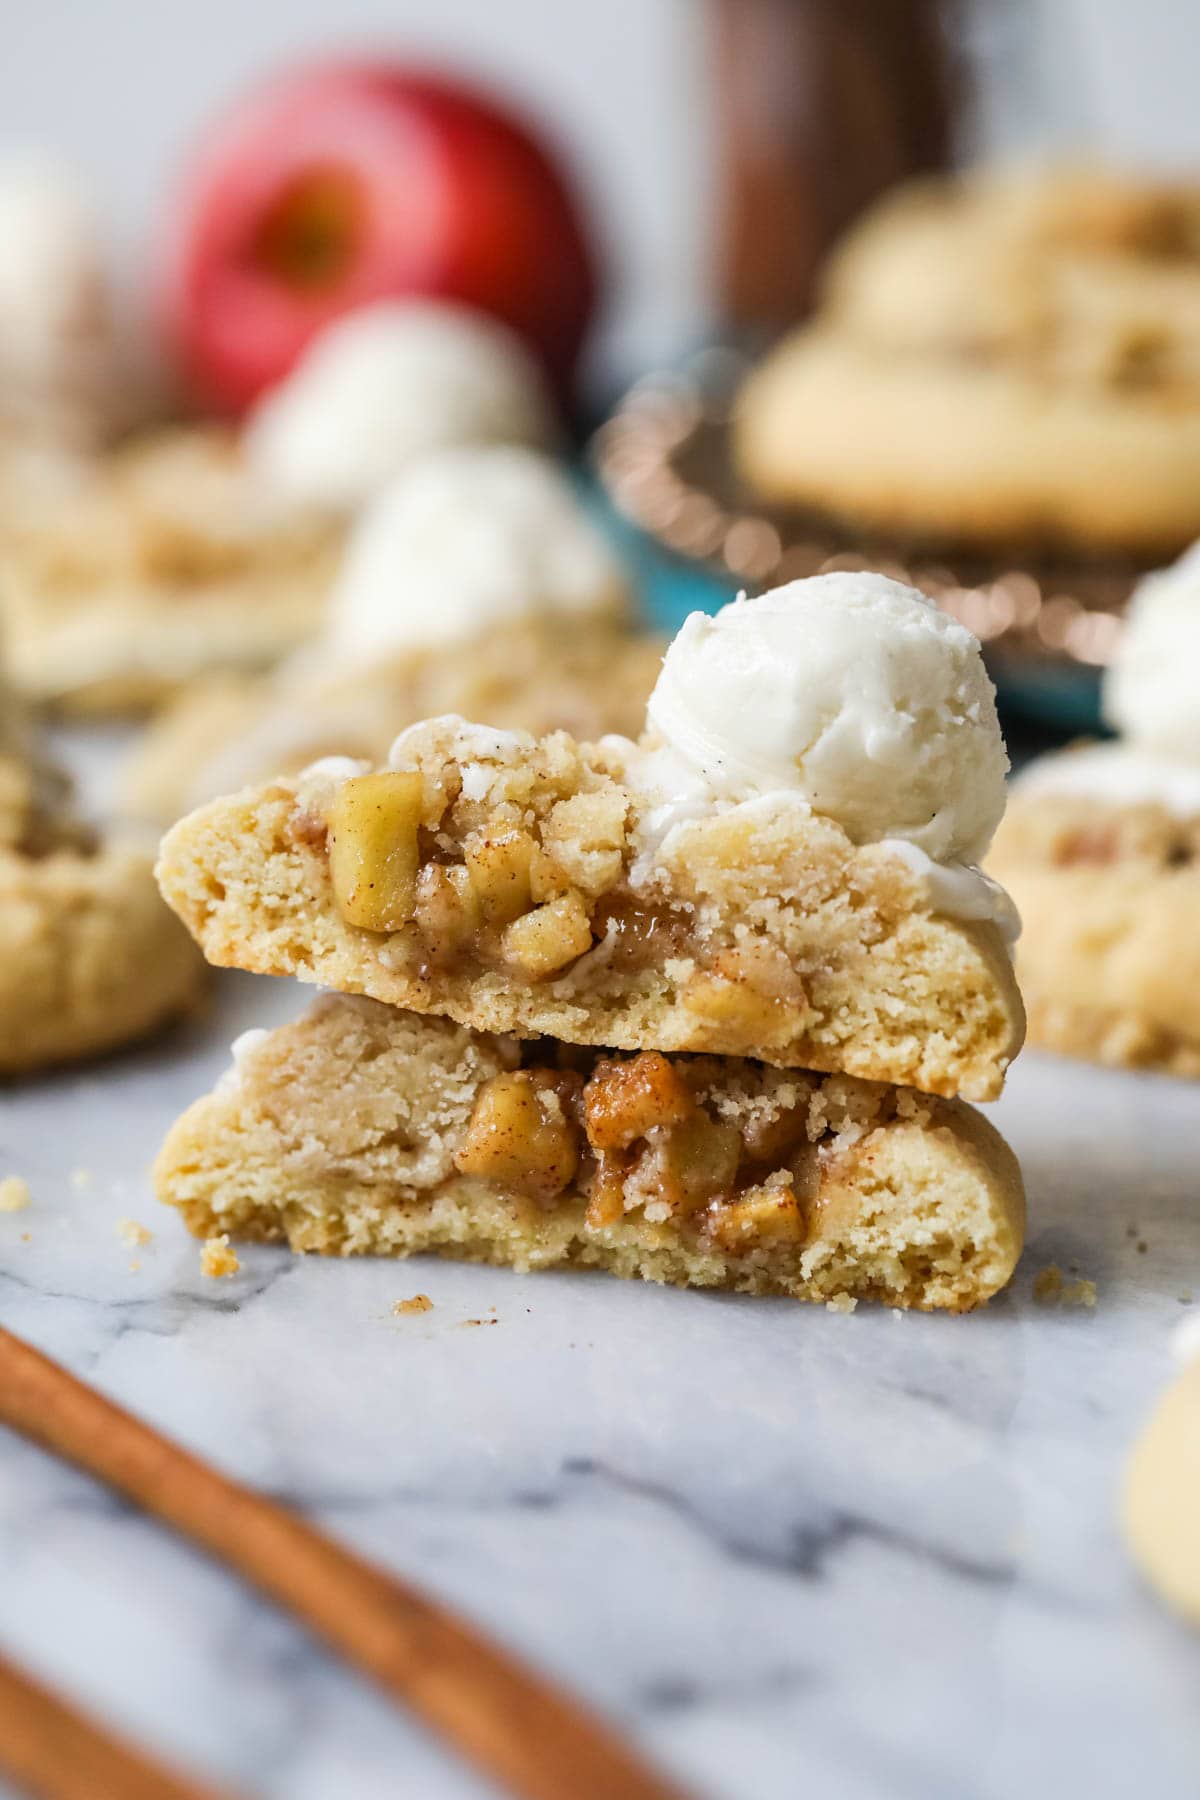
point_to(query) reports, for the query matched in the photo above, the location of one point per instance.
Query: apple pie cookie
(362, 1128)
(1101, 850)
(138, 571)
(1002, 360)
(606, 894)
(1109, 893)
(90, 958)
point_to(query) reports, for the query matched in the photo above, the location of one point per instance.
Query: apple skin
(356, 181)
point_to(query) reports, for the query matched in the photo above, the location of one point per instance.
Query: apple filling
(531, 895)
(647, 1133)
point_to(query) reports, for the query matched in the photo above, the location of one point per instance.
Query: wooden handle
(516, 1726)
(59, 1754)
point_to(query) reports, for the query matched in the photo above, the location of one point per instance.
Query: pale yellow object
(14, 1194)
(1160, 1505)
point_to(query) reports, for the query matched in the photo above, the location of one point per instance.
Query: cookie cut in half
(529, 886)
(361, 1128)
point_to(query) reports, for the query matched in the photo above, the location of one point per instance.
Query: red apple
(350, 182)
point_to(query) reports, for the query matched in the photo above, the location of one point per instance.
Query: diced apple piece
(520, 1137)
(549, 937)
(447, 909)
(625, 1100)
(373, 848)
(500, 875)
(763, 1215)
(700, 1160)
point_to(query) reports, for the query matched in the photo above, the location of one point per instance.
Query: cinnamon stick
(60, 1754)
(513, 1724)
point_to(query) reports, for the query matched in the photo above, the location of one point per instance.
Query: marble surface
(788, 1551)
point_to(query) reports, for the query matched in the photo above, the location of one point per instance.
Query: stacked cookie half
(588, 1008)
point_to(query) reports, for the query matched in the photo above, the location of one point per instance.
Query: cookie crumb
(1049, 1289)
(418, 1303)
(14, 1194)
(135, 1267)
(467, 1322)
(217, 1259)
(80, 1179)
(132, 1234)
(841, 1303)
(1142, 1246)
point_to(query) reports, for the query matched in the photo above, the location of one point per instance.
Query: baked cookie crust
(364, 1129)
(1005, 363)
(1109, 955)
(90, 959)
(519, 885)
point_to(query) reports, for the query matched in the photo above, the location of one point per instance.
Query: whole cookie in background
(1003, 363)
(1100, 849)
(90, 958)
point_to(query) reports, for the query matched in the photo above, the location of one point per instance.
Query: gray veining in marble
(790, 1552)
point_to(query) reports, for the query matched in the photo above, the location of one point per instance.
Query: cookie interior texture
(361, 1128)
(770, 936)
(1109, 956)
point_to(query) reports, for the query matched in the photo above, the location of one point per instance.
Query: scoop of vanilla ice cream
(852, 691)
(388, 384)
(464, 540)
(1152, 691)
(57, 347)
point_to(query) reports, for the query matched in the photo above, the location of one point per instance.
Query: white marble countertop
(788, 1551)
